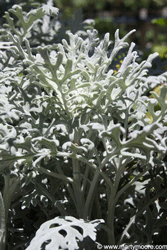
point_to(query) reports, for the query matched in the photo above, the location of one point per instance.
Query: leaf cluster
(76, 137)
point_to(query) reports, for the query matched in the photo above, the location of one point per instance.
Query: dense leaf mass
(79, 138)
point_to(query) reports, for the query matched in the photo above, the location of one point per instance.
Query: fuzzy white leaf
(63, 233)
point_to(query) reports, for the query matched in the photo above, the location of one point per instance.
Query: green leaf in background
(160, 21)
(161, 49)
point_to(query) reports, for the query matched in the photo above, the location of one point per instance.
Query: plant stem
(77, 187)
(53, 174)
(10, 189)
(110, 218)
(89, 200)
(78, 193)
(119, 168)
(2, 224)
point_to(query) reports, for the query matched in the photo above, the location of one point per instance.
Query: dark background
(110, 15)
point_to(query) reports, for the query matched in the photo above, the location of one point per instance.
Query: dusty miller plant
(76, 136)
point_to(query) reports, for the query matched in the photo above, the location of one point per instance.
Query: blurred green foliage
(68, 6)
(160, 21)
(148, 41)
(98, 4)
(161, 49)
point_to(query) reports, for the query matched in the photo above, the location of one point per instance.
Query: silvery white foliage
(31, 21)
(70, 116)
(46, 19)
(50, 10)
(78, 75)
(63, 233)
(85, 85)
